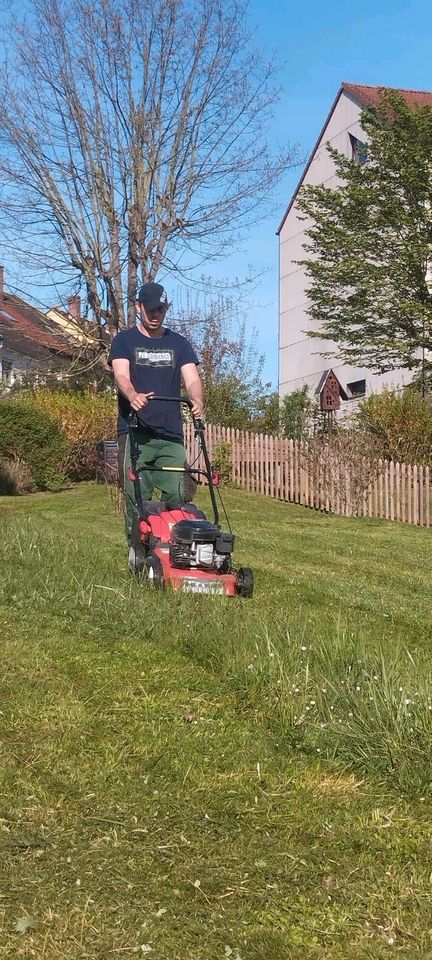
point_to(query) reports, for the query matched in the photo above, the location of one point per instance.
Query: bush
(15, 477)
(401, 424)
(347, 461)
(299, 414)
(28, 435)
(85, 418)
(222, 462)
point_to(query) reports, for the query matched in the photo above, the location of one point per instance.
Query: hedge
(30, 437)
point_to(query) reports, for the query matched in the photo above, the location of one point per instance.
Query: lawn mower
(173, 542)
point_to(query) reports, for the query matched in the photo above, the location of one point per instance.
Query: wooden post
(421, 496)
(427, 496)
(409, 486)
(392, 492)
(386, 490)
(415, 495)
(291, 470)
(272, 485)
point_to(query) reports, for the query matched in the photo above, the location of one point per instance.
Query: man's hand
(140, 400)
(197, 409)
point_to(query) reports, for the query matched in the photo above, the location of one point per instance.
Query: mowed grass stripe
(158, 796)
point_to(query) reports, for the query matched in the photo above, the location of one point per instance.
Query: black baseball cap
(152, 296)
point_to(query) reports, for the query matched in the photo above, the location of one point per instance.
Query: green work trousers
(157, 453)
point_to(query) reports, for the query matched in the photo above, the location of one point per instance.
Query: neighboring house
(300, 361)
(70, 323)
(29, 342)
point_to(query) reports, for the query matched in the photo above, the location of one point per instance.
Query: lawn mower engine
(199, 544)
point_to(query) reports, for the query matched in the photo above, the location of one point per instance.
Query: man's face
(151, 320)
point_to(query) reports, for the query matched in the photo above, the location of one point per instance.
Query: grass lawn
(196, 778)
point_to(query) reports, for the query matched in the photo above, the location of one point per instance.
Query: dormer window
(358, 151)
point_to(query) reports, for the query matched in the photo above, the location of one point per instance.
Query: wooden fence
(289, 470)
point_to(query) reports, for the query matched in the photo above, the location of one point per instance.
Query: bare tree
(133, 139)
(342, 467)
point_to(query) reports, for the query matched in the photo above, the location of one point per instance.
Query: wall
(301, 359)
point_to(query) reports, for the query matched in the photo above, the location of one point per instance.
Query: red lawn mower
(175, 543)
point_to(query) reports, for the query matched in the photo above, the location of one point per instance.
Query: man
(150, 360)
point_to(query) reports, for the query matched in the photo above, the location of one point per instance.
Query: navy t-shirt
(155, 364)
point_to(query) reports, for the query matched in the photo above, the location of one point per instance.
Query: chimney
(1, 282)
(74, 305)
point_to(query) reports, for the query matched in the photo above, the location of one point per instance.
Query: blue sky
(320, 45)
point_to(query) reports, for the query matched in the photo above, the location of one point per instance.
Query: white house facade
(301, 359)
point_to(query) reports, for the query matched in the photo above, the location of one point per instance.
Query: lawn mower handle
(199, 426)
(198, 423)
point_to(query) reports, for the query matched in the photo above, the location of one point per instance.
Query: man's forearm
(126, 387)
(195, 392)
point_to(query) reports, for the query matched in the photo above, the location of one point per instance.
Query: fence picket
(427, 496)
(421, 497)
(282, 469)
(392, 491)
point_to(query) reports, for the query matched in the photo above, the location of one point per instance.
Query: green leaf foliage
(402, 424)
(35, 438)
(370, 242)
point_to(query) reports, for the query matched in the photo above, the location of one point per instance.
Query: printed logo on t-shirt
(154, 357)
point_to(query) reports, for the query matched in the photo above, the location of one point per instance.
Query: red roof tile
(368, 95)
(28, 328)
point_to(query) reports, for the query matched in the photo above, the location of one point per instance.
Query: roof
(27, 331)
(369, 96)
(365, 96)
(323, 381)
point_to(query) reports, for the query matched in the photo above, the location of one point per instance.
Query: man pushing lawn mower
(170, 540)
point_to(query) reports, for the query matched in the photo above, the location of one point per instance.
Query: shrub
(401, 424)
(299, 414)
(15, 477)
(221, 460)
(85, 418)
(347, 461)
(29, 435)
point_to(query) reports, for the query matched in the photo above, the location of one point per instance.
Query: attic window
(358, 151)
(357, 389)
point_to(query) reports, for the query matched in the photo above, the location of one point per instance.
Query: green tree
(297, 413)
(370, 243)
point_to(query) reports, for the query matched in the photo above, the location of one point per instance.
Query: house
(300, 359)
(70, 323)
(32, 342)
